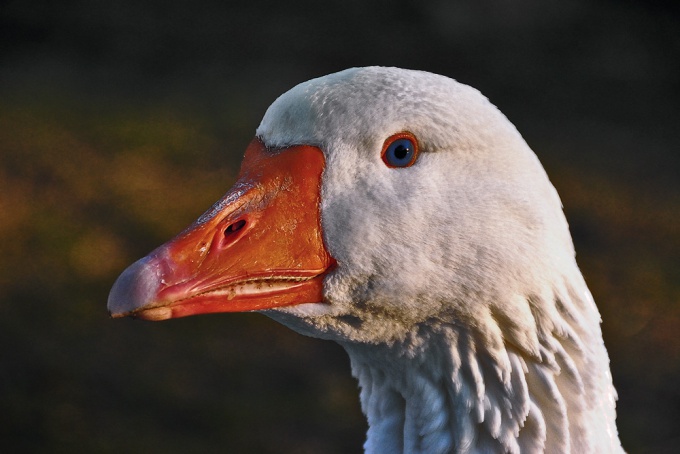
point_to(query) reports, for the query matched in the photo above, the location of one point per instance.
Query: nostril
(235, 227)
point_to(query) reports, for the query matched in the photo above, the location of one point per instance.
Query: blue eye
(400, 150)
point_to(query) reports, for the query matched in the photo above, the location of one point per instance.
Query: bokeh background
(122, 121)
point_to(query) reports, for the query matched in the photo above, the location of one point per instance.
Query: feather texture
(457, 294)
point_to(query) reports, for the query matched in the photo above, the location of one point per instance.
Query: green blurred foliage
(120, 122)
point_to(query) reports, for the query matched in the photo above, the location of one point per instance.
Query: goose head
(402, 215)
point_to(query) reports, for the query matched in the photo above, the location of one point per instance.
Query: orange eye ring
(400, 150)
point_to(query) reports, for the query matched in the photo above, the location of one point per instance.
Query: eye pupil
(401, 152)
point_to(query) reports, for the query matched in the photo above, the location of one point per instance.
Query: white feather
(457, 295)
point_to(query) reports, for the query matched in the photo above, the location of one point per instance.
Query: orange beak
(258, 248)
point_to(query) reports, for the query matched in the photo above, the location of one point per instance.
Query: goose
(400, 214)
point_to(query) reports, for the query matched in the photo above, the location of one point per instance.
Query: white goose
(400, 214)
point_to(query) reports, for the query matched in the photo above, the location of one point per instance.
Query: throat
(407, 411)
(443, 394)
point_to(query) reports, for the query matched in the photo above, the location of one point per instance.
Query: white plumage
(456, 293)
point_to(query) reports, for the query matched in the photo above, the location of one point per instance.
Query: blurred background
(121, 122)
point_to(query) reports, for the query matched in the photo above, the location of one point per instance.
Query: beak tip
(135, 288)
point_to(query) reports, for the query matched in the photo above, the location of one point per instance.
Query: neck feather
(444, 389)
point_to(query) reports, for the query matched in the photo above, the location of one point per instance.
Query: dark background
(120, 122)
